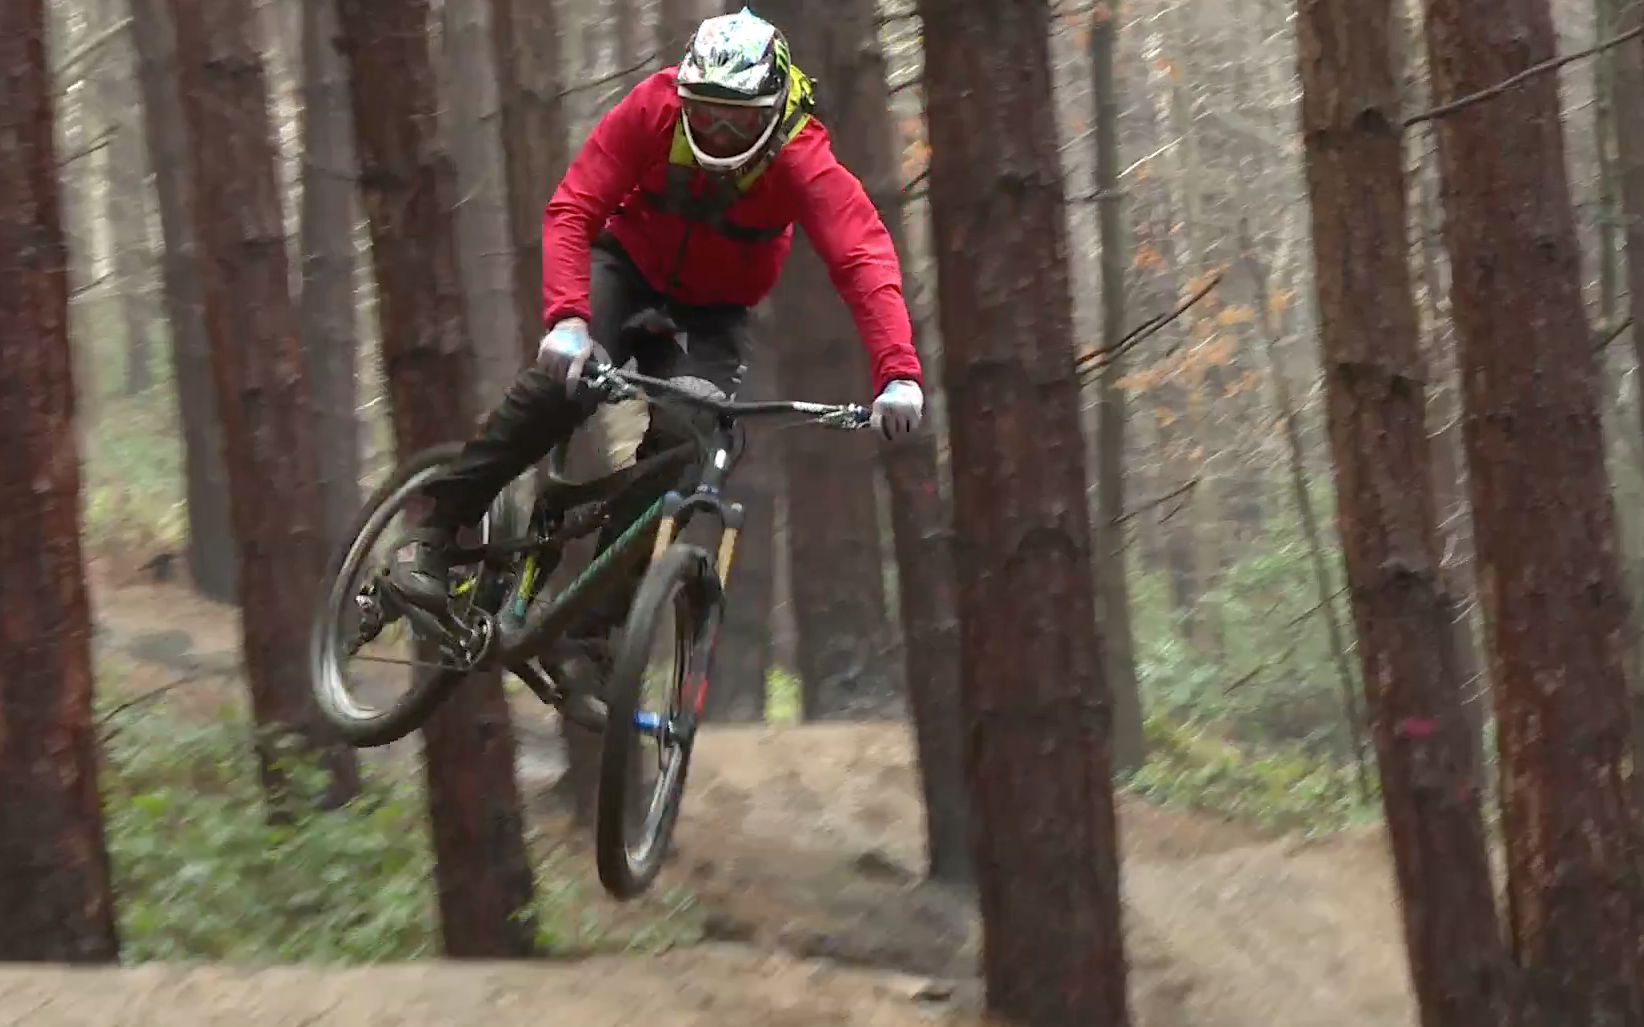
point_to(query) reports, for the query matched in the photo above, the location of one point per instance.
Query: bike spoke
(409, 663)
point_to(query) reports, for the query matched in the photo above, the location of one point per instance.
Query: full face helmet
(733, 82)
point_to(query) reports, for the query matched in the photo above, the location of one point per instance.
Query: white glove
(897, 411)
(565, 351)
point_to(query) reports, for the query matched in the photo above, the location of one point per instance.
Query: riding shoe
(420, 570)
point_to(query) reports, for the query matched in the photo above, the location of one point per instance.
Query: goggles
(725, 124)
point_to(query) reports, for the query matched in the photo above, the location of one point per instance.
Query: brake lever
(848, 418)
(608, 385)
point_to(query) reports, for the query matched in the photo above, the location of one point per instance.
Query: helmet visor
(726, 129)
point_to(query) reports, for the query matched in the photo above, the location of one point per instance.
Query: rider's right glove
(565, 351)
(898, 410)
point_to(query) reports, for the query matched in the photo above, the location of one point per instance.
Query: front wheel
(660, 657)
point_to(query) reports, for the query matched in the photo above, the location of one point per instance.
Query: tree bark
(743, 660)
(482, 871)
(211, 552)
(56, 900)
(676, 22)
(123, 202)
(1200, 382)
(844, 43)
(1306, 516)
(256, 359)
(1628, 78)
(1543, 520)
(1129, 747)
(1449, 477)
(535, 125)
(838, 573)
(471, 119)
(1386, 517)
(327, 312)
(1038, 713)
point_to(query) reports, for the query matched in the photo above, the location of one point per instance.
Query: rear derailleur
(463, 643)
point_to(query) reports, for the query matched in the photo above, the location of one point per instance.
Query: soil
(802, 848)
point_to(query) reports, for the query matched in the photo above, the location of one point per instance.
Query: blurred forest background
(1204, 283)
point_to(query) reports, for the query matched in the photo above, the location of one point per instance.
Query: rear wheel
(376, 677)
(650, 720)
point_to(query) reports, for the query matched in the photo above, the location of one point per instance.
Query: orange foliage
(1246, 382)
(1147, 259)
(915, 155)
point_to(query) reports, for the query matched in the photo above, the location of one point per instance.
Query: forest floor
(800, 847)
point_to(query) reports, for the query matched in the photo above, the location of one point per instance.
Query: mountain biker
(683, 198)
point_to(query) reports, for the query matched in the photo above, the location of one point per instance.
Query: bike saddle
(648, 324)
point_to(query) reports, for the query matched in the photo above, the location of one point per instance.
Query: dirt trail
(803, 846)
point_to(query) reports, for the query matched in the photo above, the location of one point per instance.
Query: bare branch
(1444, 110)
(612, 77)
(1613, 334)
(99, 143)
(911, 191)
(1317, 607)
(1094, 361)
(82, 290)
(90, 47)
(1156, 501)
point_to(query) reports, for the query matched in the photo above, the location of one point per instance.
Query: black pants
(537, 414)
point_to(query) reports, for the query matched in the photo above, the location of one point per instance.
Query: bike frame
(546, 618)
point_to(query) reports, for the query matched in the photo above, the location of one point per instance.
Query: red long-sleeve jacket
(626, 157)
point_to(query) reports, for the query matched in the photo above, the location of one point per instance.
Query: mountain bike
(501, 615)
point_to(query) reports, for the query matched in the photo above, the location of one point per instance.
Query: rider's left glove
(898, 410)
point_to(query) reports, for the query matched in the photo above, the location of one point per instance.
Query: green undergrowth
(132, 489)
(1283, 789)
(200, 873)
(782, 696)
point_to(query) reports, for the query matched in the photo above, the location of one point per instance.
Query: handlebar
(613, 385)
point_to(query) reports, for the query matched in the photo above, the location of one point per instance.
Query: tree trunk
(676, 22)
(56, 900)
(630, 44)
(256, 360)
(535, 125)
(1377, 418)
(1449, 476)
(471, 120)
(1306, 516)
(1038, 713)
(1129, 748)
(538, 147)
(743, 660)
(327, 312)
(123, 202)
(482, 870)
(845, 48)
(838, 574)
(1543, 521)
(844, 42)
(211, 552)
(1199, 380)
(1629, 136)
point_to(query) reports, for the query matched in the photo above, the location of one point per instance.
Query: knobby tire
(686, 570)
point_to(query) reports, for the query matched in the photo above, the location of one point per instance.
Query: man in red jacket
(683, 199)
